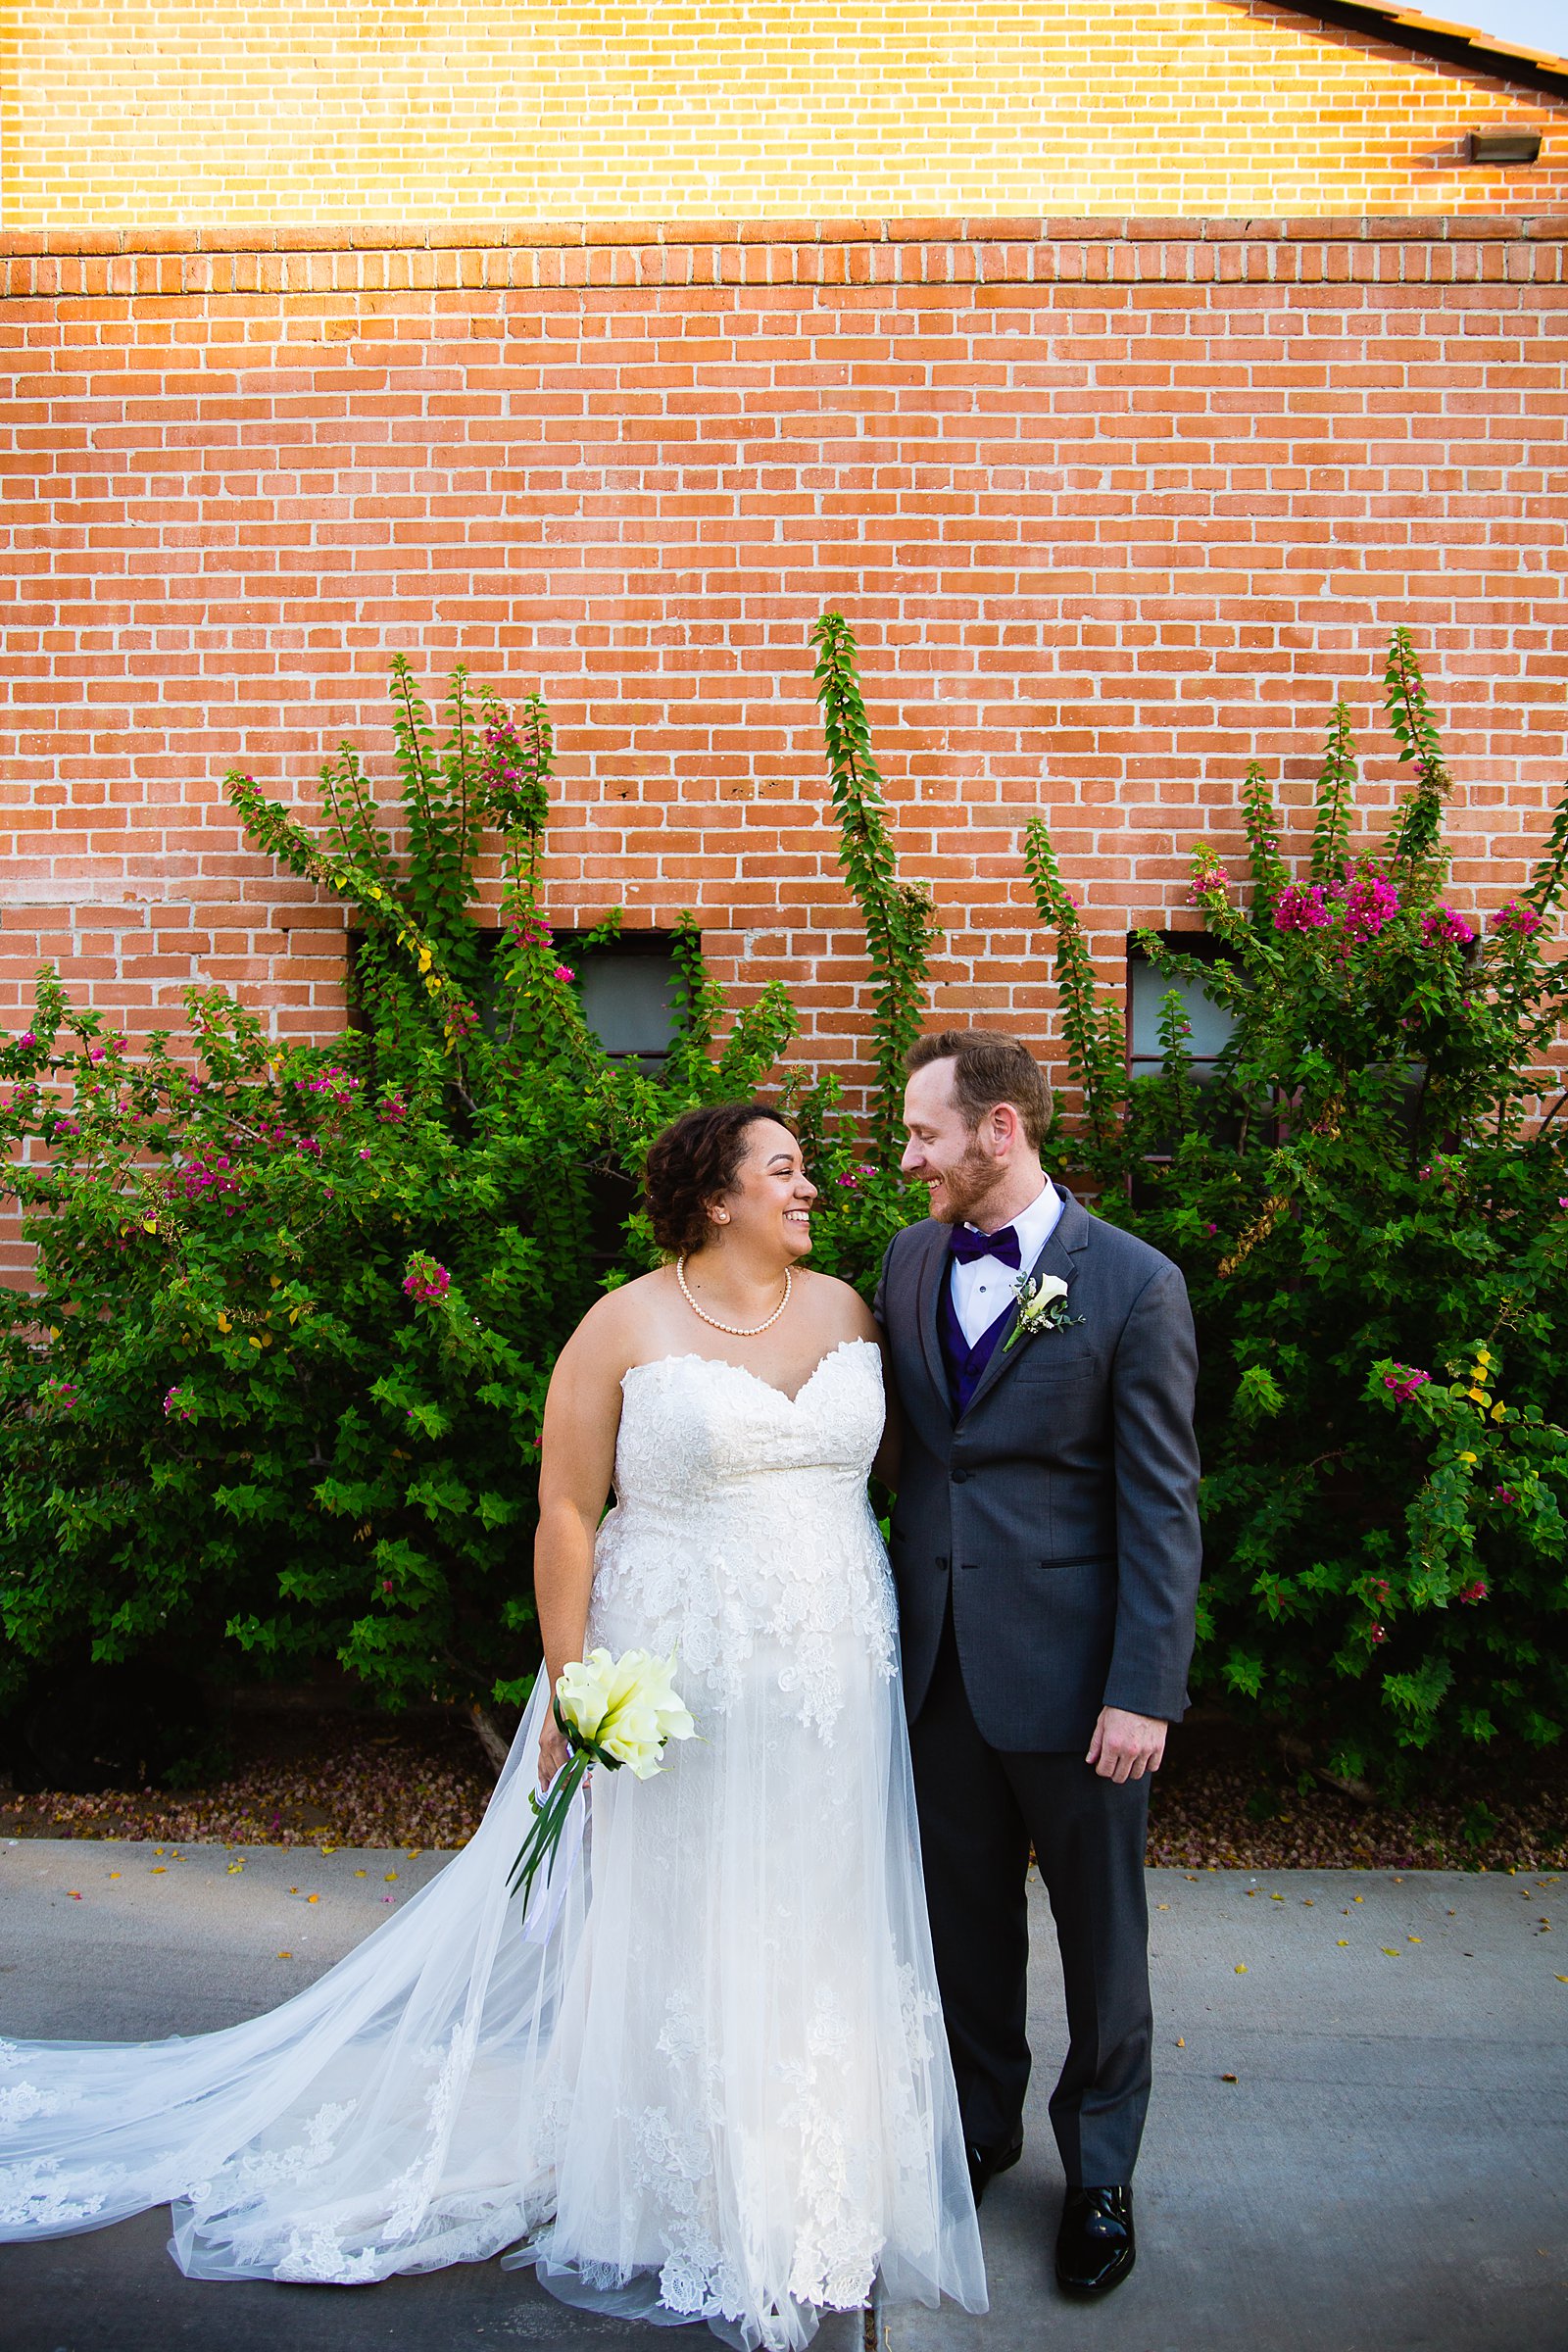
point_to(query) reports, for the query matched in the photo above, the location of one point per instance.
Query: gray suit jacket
(1062, 1510)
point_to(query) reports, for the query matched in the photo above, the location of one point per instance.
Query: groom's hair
(987, 1069)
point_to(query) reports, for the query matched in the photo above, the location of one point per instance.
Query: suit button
(959, 1477)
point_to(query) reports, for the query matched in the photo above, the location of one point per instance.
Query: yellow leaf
(149, 1224)
(224, 1323)
(1241, 1968)
(1341, 1939)
(1467, 1457)
(390, 1875)
(285, 1955)
(254, 1341)
(1413, 1939)
(1498, 1412)
(1388, 1951)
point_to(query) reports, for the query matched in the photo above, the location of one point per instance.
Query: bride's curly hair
(691, 1164)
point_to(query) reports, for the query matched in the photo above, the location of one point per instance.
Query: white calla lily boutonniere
(1042, 1306)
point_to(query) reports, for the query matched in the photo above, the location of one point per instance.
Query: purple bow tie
(966, 1245)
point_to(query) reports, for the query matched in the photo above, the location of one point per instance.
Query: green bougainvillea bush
(278, 1393)
(1369, 1197)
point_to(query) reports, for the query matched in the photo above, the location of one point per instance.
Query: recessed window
(1146, 988)
(626, 987)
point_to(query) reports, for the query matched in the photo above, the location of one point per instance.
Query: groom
(1046, 1550)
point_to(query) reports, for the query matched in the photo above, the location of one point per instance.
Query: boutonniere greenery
(1042, 1306)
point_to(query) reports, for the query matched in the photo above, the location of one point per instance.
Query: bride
(705, 2078)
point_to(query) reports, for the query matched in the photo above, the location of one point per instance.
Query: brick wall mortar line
(585, 235)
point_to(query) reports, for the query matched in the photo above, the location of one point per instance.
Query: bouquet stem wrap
(610, 1711)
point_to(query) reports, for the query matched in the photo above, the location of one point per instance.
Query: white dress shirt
(984, 1287)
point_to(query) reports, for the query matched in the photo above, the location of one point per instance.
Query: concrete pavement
(1388, 2168)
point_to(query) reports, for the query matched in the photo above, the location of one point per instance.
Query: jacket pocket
(1046, 1358)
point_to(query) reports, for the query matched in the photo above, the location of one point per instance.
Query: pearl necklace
(736, 1331)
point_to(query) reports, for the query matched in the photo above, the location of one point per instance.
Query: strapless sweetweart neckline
(690, 1355)
(718, 2088)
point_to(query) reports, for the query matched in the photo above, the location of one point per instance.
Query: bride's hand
(552, 1752)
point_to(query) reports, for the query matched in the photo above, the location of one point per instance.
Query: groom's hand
(1125, 1746)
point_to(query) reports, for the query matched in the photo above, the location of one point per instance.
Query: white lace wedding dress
(707, 2077)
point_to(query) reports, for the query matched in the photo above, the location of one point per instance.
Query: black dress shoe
(1094, 2244)
(986, 2163)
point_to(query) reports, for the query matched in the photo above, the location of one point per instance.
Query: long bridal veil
(608, 2080)
(379, 2122)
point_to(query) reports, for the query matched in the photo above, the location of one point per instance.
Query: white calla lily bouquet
(610, 1711)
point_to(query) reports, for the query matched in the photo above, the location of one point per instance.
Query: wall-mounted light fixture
(1496, 147)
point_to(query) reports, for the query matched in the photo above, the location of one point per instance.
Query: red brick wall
(1113, 508)
(121, 112)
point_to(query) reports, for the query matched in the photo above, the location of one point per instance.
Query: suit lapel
(928, 1302)
(1058, 1257)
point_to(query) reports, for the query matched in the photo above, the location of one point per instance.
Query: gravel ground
(335, 1781)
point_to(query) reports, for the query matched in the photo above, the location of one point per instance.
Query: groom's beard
(965, 1186)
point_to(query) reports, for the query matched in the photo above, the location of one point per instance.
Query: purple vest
(965, 1364)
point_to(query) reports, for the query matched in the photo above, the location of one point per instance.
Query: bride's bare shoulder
(614, 1332)
(839, 1306)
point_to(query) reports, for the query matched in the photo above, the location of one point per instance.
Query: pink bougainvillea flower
(1369, 904)
(1517, 917)
(563, 971)
(26, 1038)
(1442, 927)
(1474, 1591)
(1378, 1634)
(1404, 1379)
(1300, 909)
(425, 1279)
